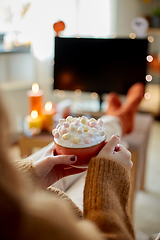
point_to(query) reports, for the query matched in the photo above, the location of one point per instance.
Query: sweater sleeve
(106, 196)
(25, 167)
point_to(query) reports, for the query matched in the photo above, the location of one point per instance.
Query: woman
(29, 210)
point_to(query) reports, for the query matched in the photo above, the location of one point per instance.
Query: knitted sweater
(36, 214)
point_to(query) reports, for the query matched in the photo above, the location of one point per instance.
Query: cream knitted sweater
(35, 214)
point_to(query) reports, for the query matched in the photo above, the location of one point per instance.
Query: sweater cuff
(25, 166)
(106, 180)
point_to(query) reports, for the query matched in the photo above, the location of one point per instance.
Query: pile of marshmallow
(79, 132)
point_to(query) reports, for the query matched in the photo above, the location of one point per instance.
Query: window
(35, 19)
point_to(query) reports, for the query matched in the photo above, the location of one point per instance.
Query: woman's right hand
(52, 167)
(115, 151)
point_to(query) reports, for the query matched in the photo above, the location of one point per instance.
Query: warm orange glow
(147, 1)
(148, 78)
(48, 106)
(147, 95)
(67, 78)
(150, 39)
(94, 95)
(149, 58)
(155, 63)
(132, 35)
(35, 87)
(34, 114)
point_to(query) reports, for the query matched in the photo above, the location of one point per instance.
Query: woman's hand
(51, 167)
(114, 151)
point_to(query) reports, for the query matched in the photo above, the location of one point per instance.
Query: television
(99, 65)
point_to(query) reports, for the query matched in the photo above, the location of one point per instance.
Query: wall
(127, 10)
(16, 105)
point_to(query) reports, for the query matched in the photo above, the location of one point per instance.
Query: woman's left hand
(52, 167)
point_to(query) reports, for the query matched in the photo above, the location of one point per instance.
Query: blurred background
(27, 57)
(27, 42)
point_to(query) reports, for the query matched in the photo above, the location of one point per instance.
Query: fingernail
(118, 136)
(73, 158)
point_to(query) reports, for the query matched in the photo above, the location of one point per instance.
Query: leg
(111, 125)
(126, 112)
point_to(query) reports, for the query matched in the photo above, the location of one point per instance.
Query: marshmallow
(83, 121)
(72, 127)
(66, 136)
(87, 140)
(79, 132)
(86, 128)
(66, 124)
(56, 135)
(69, 119)
(76, 140)
(61, 121)
(63, 130)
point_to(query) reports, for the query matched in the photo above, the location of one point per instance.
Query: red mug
(84, 155)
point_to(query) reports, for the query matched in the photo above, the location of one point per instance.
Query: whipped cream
(79, 132)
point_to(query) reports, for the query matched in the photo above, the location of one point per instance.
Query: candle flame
(34, 114)
(48, 106)
(35, 87)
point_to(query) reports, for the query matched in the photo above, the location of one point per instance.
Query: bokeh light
(132, 35)
(61, 93)
(149, 58)
(56, 92)
(50, 80)
(147, 96)
(77, 92)
(94, 95)
(150, 39)
(148, 78)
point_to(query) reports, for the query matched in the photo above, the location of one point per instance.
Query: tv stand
(88, 107)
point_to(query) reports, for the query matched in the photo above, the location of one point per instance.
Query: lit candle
(34, 120)
(35, 98)
(48, 113)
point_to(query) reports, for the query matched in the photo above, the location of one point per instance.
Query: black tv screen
(99, 65)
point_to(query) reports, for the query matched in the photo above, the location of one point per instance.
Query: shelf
(15, 49)
(13, 86)
(155, 31)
